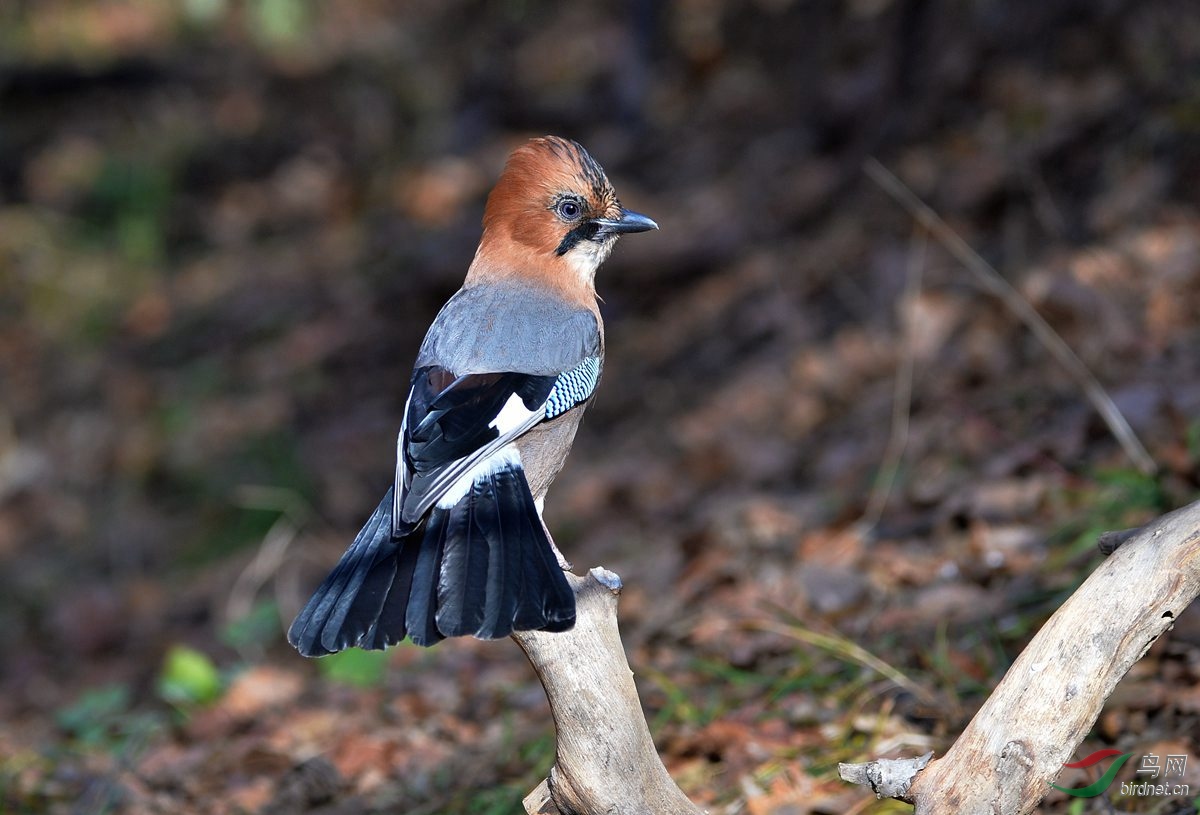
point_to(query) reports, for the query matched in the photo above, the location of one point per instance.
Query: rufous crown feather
(554, 216)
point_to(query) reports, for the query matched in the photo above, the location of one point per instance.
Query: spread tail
(483, 567)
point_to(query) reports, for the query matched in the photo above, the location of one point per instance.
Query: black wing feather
(450, 418)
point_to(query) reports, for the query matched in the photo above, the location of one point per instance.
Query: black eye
(568, 210)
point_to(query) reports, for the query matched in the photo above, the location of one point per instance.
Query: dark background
(225, 227)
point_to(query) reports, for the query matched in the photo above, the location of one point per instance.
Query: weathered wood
(1048, 701)
(887, 777)
(605, 760)
(1110, 542)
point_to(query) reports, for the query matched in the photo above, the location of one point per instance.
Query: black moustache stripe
(584, 232)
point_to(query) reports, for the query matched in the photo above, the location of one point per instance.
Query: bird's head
(554, 212)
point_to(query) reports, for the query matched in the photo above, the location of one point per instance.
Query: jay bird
(457, 546)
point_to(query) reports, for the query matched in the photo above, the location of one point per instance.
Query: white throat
(585, 258)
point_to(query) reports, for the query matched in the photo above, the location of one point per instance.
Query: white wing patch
(506, 456)
(514, 419)
(572, 387)
(513, 415)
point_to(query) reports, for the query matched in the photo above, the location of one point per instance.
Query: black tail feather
(462, 584)
(421, 617)
(389, 627)
(347, 603)
(505, 582)
(483, 567)
(546, 602)
(499, 573)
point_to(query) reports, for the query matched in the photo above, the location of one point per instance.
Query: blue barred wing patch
(573, 386)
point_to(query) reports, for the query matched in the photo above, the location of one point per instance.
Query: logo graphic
(1103, 782)
(1175, 765)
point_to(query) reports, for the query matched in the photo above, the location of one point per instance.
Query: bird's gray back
(502, 327)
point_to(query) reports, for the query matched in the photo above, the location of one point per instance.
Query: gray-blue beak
(628, 222)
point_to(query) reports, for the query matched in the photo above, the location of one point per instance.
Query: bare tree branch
(605, 760)
(1050, 698)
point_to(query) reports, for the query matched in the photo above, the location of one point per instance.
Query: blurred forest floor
(225, 226)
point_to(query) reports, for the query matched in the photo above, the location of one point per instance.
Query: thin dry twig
(1047, 212)
(271, 551)
(902, 393)
(845, 649)
(991, 281)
